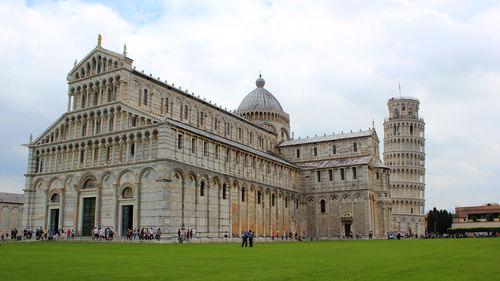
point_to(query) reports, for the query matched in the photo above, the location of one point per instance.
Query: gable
(98, 61)
(53, 132)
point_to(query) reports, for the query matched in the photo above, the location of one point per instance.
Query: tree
(438, 221)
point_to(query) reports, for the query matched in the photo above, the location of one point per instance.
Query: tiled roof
(332, 163)
(11, 198)
(229, 142)
(350, 135)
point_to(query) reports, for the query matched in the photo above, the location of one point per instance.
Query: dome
(260, 98)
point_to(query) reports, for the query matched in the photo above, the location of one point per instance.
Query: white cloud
(331, 64)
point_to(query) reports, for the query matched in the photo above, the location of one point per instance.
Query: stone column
(50, 160)
(92, 148)
(45, 208)
(151, 146)
(115, 208)
(61, 211)
(76, 213)
(101, 123)
(40, 163)
(134, 142)
(128, 150)
(75, 128)
(137, 216)
(113, 152)
(100, 147)
(143, 155)
(98, 206)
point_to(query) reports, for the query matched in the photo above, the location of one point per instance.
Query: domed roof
(260, 98)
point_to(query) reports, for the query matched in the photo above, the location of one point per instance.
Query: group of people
(103, 234)
(144, 234)
(186, 234)
(13, 234)
(286, 236)
(247, 238)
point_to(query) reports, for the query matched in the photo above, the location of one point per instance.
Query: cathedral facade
(135, 152)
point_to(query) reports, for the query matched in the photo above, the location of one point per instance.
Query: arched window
(286, 202)
(202, 188)
(55, 198)
(298, 153)
(127, 192)
(166, 105)
(89, 184)
(179, 141)
(243, 194)
(411, 130)
(224, 191)
(185, 112)
(315, 151)
(272, 200)
(83, 100)
(145, 97)
(334, 149)
(323, 206)
(355, 147)
(205, 148)
(139, 96)
(259, 197)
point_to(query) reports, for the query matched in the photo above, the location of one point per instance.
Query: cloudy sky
(332, 64)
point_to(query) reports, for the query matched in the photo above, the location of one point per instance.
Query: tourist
(194, 233)
(250, 238)
(72, 234)
(244, 237)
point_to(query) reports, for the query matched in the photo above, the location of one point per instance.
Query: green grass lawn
(453, 259)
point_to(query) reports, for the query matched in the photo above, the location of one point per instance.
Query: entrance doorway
(347, 229)
(54, 219)
(127, 218)
(88, 217)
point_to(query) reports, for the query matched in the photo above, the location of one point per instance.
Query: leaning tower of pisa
(404, 154)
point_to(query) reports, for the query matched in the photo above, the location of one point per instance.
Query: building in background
(11, 211)
(133, 151)
(404, 154)
(477, 217)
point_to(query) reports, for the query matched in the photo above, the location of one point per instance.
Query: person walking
(244, 237)
(250, 238)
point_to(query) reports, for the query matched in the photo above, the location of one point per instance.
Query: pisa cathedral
(135, 152)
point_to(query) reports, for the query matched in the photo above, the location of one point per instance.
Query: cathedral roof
(333, 163)
(229, 142)
(350, 135)
(260, 98)
(11, 198)
(342, 162)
